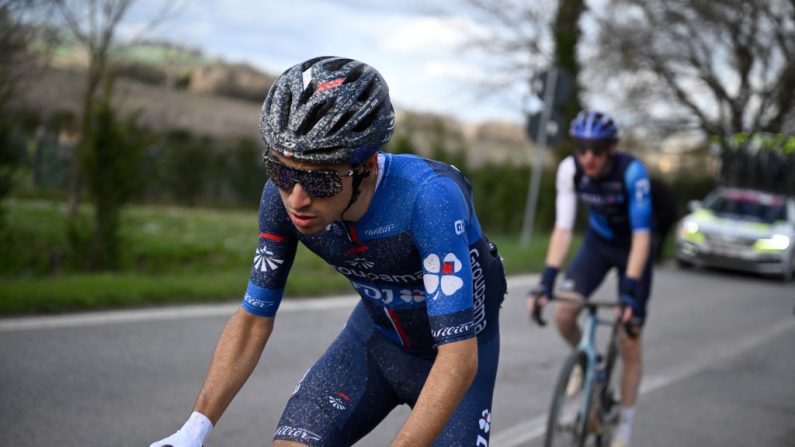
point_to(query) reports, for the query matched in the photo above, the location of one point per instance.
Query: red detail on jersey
(329, 84)
(398, 327)
(342, 395)
(358, 246)
(447, 268)
(353, 233)
(273, 237)
(358, 249)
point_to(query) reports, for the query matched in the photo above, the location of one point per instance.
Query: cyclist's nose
(297, 198)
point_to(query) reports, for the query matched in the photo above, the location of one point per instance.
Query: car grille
(719, 239)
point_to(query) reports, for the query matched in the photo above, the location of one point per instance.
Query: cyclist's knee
(566, 313)
(631, 350)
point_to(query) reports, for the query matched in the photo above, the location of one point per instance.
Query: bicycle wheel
(607, 393)
(566, 425)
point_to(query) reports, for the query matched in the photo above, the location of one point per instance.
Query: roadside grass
(170, 256)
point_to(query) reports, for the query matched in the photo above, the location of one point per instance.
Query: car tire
(686, 265)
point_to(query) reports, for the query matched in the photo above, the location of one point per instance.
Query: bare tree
(107, 147)
(524, 39)
(722, 66)
(93, 24)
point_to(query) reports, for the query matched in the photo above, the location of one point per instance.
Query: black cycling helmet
(328, 110)
(594, 125)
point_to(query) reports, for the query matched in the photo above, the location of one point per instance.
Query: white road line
(164, 313)
(191, 311)
(524, 432)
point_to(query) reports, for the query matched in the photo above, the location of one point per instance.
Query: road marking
(525, 432)
(190, 311)
(164, 313)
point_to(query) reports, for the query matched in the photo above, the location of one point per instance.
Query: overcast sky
(419, 54)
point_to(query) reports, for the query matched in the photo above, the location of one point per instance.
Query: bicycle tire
(559, 433)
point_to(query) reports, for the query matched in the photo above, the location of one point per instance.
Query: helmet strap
(359, 174)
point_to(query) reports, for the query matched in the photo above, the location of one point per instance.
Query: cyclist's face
(312, 214)
(593, 156)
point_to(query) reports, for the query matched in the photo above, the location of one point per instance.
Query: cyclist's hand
(192, 434)
(632, 312)
(537, 298)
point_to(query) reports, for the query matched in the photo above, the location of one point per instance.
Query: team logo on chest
(361, 263)
(441, 275)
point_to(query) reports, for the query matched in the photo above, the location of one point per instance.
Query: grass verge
(171, 255)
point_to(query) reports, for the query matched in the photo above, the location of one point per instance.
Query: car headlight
(777, 242)
(689, 231)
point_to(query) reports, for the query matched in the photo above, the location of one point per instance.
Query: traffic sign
(555, 127)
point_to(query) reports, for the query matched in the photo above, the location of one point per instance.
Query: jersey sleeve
(636, 181)
(274, 256)
(566, 196)
(440, 226)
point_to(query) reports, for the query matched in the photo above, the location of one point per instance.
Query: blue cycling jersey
(418, 257)
(619, 202)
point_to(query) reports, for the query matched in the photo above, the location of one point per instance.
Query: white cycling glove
(192, 434)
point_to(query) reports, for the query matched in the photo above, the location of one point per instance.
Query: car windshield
(748, 207)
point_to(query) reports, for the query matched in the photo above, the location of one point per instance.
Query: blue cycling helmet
(594, 125)
(328, 110)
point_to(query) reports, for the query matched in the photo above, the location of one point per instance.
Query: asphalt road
(719, 365)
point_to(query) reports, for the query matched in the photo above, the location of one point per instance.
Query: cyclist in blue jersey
(614, 186)
(403, 230)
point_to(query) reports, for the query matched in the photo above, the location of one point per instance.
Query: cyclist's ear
(370, 163)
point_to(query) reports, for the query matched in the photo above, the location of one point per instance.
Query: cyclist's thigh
(470, 425)
(587, 270)
(339, 400)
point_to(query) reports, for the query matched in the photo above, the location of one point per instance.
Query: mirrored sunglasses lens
(320, 184)
(279, 175)
(317, 184)
(595, 149)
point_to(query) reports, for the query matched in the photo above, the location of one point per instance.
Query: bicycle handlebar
(591, 306)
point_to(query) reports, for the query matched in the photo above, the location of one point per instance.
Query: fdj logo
(385, 295)
(442, 275)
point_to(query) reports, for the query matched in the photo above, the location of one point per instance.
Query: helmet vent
(344, 119)
(284, 115)
(367, 93)
(355, 74)
(367, 121)
(336, 64)
(315, 114)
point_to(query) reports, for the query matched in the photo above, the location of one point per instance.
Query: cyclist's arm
(640, 218)
(236, 355)
(565, 214)
(558, 248)
(442, 225)
(638, 253)
(451, 375)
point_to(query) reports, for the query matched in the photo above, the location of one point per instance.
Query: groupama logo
(441, 275)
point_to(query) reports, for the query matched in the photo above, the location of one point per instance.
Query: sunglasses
(596, 148)
(317, 183)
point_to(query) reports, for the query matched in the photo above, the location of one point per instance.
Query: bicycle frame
(586, 349)
(587, 344)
